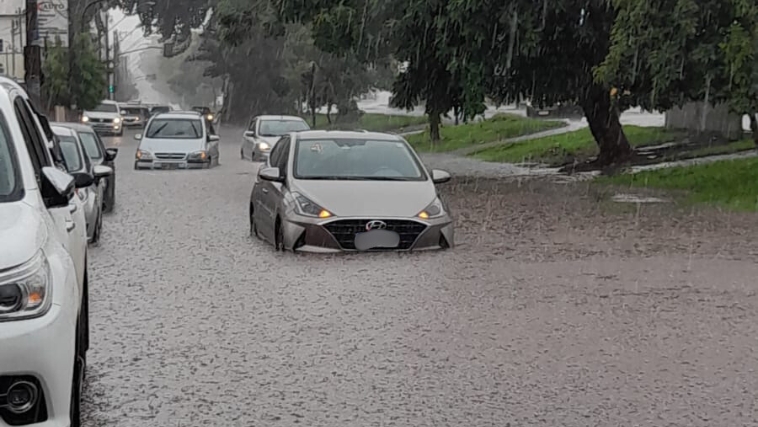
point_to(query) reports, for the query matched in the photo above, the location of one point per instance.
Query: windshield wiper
(160, 128)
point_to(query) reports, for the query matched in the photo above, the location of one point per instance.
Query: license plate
(376, 239)
(170, 165)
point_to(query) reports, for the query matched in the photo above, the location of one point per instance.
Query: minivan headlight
(199, 155)
(26, 291)
(143, 155)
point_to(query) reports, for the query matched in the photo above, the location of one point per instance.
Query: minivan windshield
(175, 129)
(106, 108)
(9, 182)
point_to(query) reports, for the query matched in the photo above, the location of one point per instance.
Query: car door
(266, 209)
(69, 221)
(248, 139)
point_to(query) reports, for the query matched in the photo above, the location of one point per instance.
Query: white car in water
(264, 131)
(44, 322)
(177, 140)
(106, 118)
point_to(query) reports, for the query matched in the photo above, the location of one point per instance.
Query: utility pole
(32, 58)
(109, 62)
(13, 47)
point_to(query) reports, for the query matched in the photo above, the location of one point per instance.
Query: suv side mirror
(83, 179)
(110, 154)
(57, 187)
(271, 174)
(138, 136)
(213, 138)
(250, 133)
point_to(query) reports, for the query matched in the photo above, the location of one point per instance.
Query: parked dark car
(559, 110)
(135, 115)
(209, 117)
(158, 109)
(99, 155)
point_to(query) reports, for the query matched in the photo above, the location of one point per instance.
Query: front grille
(344, 231)
(170, 156)
(101, 120)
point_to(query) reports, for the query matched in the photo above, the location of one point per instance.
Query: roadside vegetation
(370, 122)
(731, 184)
(499, 127)
(579, 146)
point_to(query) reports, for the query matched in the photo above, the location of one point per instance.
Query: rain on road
(526, 323)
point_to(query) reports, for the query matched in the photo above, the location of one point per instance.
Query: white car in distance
(106, 118)
(177, 140)
(44, 324)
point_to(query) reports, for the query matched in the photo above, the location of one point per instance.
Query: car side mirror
(250, 133)
(138, 136)
(57, 187)
(110, 154)
(213, 138)
(102, 171)
(83, 179)
(440, 176)
(271, 174)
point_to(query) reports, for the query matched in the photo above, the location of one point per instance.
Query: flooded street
(555, 309)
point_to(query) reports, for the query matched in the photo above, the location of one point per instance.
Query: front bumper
(43, 349)
(305, 234)
(159, 164)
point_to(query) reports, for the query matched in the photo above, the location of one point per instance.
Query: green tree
(55, 90)
(670, 52)
(92, 79)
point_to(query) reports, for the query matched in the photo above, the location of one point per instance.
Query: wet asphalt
(195, 323)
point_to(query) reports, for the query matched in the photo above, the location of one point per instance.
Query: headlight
(210, 116)
(25, 291)
(308, 208)
(434, 210)
(263, 146)
(116, 120)
(143, 155)
(198, 155)
(85, 119)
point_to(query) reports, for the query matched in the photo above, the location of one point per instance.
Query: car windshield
(175, 129)
(282, 127)
(132, 111)
(356, 159)
(106, 108)
(8, 181)
(91, 146)
(70, 151)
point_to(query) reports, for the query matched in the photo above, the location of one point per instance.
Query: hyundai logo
(376, 225)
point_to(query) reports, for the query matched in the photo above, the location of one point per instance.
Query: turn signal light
(324, 214)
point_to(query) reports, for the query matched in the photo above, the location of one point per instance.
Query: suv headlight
(308, 208)
(434, 210)
(143, 155)
(85, 119)
(25, 291)
(198, 155)
(116, 120)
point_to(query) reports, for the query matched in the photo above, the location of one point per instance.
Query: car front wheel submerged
(279, 239)
(80, 359)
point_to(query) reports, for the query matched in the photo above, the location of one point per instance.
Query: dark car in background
(98, 155)
(208, 115)
(158, 109)
(134, 115)
(563, 110)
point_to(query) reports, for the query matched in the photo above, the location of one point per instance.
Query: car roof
(271, 117)
(75, 126)
(178, 115)
(345, 134)
(108, 101)
(60, 129)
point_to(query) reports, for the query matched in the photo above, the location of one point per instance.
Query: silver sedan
(88, 179)
(326, 191)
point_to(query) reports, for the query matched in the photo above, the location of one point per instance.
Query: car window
(106, 108)
(10, 181)
(34, 142)
(273, 158)
(281, 161)
(356, 159)
(91, 145)
(71, 154)
(175, 129)
(282, 127)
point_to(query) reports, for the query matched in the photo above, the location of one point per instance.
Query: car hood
(369, 198)
(22, 232)
(171, 145)
(101, 115)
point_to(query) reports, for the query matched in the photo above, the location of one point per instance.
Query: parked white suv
(106, 118)
(44, 327)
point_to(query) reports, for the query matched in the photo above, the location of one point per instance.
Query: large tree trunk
(604, 124)
(754, 128)
(434, 127)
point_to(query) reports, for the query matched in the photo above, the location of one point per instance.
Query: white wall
(13, 47)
